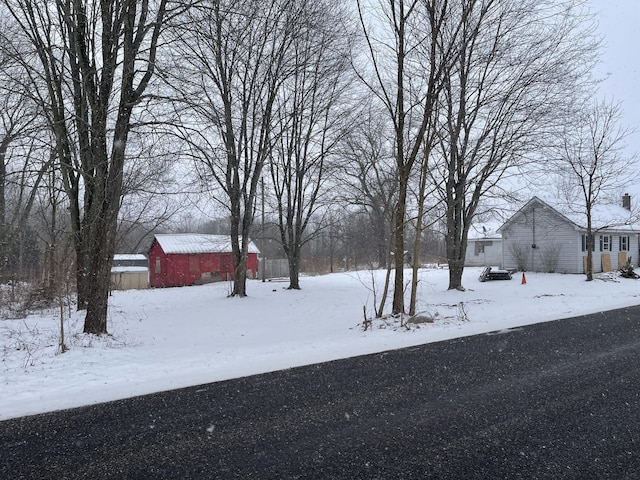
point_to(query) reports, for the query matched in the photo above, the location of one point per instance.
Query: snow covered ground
(169, 338)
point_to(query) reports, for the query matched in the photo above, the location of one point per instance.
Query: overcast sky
(619, 24)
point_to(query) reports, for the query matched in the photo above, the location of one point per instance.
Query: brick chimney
(626, 201)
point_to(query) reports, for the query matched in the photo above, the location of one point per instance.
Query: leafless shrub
(19, 299)
(549, 256)
(519, 254)
(26, 342)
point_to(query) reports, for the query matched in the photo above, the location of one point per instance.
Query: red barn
(176, 260)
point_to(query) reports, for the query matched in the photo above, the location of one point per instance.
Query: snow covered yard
(169, 338)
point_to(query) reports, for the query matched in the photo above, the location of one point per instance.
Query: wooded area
(370, 134)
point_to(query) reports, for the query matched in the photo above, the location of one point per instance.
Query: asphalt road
(558, 400)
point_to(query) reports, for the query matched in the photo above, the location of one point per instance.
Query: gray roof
(197, 243)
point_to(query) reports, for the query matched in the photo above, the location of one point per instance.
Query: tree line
(411, 118)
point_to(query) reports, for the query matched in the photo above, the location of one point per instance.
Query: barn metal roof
(197, 243)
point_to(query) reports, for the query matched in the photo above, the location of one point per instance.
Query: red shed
(182, 259)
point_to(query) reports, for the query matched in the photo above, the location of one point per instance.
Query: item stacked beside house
(495, 273)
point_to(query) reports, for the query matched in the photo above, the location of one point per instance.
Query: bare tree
(311, 112)
(593, 167)
(368, 179)
(24, 150)
(409, 58)
(428, 212)
(153, 191)
(368, 176)
(517, 67)
(96, 58)
(235, 58)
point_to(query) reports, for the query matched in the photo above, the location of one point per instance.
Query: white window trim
(605, 243)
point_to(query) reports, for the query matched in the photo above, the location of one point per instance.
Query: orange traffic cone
(524, 279)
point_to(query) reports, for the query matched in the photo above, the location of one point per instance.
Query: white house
(542, 238)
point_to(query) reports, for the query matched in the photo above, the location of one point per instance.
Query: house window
(158, 269)
(605, 243)
(584, 243)
(623, 243)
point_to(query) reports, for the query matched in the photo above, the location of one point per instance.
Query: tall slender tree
(312, 111)
(409, 54)
(593, 168)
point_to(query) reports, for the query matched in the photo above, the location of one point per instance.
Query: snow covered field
(170, 338)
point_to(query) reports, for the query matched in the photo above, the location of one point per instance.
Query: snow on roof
(603, 217)
(197, 243)
(130, 257)
(129, 269)
(484, 231)
(607, 217)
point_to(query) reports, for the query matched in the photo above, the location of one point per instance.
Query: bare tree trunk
(3, 210)
(415, 266)
(398, 258)
(456, 239)
(98, 293)
(294, 271)
(589, 242)
(387, 280)
(239, 268)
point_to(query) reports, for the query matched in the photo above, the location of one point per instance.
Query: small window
(605, 243)
(584, 243)
(624, 243)
(158, 269)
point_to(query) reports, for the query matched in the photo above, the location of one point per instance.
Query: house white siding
(608, 243)
(541, 239)
(484, 252)
(538, 239)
